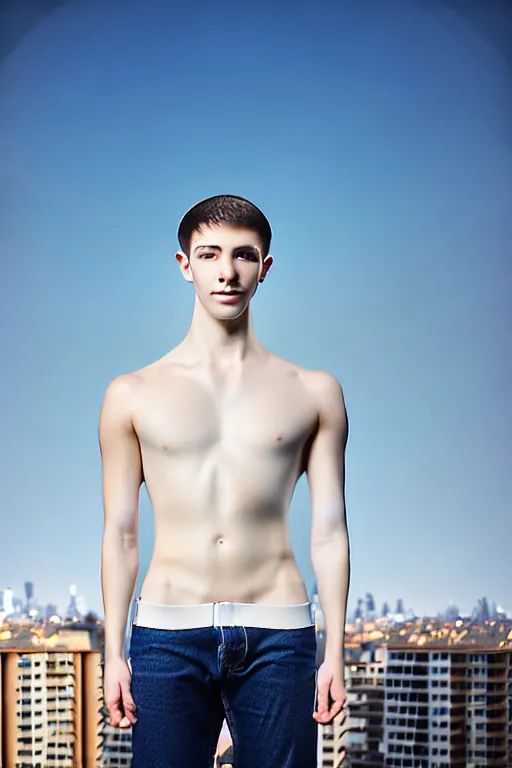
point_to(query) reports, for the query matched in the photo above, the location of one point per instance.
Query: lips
(228, 297)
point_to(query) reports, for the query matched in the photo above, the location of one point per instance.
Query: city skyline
(363, 609)
(376, 144)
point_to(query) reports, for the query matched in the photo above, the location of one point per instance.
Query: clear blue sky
(376, 138)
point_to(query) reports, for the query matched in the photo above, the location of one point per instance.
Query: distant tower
(72, 609)
(400, 606)
(51, 610)
(452, 612)
(370, 605)
(17, 604)
(8, 601)
(385, 609)
(81, 605)
(358, 613)
(29, 595)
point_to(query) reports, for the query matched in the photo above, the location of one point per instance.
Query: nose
(227, 271)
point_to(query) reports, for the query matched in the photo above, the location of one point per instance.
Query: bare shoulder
(118, 400)
(322, 389)
(321, 385)
(328, 396)
(126, 387)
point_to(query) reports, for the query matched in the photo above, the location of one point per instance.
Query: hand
(117, 692)
(331, 692)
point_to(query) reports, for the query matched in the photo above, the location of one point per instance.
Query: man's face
(225, 264)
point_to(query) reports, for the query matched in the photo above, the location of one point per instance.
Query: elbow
(328, 543)
(329, 528)
(123, 536)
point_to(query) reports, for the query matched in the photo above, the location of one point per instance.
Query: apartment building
(365, 681)
(447, 707)
(52, 712)
(49, 708)
(116, 747)
(332, 743)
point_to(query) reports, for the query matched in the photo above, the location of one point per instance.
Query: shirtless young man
(220, 430)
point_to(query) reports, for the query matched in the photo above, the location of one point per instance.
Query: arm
(330, 554)
(122, 478)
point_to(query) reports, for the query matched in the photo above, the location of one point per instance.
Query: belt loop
(223, 614)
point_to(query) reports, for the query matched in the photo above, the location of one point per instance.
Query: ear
(184, 263)
(267, 263)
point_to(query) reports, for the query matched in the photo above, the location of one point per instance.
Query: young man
(220, 430)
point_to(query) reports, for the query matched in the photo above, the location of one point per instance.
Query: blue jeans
(185, 681)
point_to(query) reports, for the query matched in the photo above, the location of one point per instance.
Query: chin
(230, 313)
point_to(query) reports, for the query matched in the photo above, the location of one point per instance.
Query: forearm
(330, 558)
(119, 568)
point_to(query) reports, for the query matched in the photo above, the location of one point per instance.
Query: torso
(221, 460)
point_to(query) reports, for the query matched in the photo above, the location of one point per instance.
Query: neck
(221, 343)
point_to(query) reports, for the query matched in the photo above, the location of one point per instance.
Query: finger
(336, 708)
(322, 719)
(114, 712)
(323, 700)
(129, 705)
(124, 723)
(328, 715)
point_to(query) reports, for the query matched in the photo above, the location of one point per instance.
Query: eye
(249, 255)
(206, 255)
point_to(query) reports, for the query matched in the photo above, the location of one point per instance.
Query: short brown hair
(224, 209)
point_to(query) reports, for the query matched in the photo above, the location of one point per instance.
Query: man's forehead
(225, 235)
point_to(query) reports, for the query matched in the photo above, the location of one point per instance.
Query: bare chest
(188, 418)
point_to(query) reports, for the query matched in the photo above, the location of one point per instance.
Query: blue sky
(377, 141)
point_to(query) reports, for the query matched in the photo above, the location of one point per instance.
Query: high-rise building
(17, 605)
(365, 680)
(448, 707)
(30, 603)
(50, 704)
(370, 606)
(117, 746)
(8, 601)
(72, 612)
(29, 590)
(332, 743)
(81, 605)
(51, 610)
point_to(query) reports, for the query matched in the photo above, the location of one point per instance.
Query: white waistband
(161, 616)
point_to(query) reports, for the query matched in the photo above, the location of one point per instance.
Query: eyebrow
(238, 247)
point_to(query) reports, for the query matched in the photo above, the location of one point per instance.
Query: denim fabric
(185, 681)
